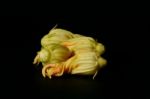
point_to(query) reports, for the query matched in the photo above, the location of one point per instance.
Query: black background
(125, 39)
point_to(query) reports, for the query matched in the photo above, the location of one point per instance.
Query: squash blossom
(65, 52)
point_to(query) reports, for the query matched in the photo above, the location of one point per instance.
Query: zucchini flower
(65, 52)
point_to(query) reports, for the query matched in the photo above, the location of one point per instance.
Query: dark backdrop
(125, 39)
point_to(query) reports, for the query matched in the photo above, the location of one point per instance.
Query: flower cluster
(65, 52)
